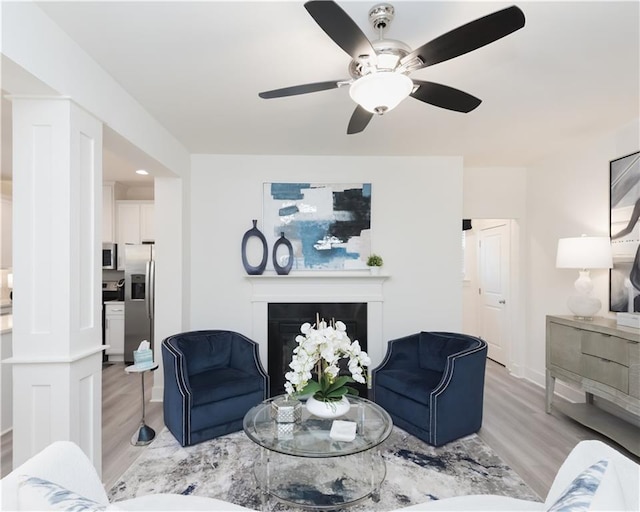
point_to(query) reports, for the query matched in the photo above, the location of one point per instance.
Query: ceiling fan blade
(444, 96)
(340, 27)
(359, 120)
(300, 89)
(469, 37)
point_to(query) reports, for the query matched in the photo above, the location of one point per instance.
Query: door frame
(515, 321)
(488, 230)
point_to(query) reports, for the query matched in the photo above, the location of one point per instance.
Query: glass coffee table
(301, 466)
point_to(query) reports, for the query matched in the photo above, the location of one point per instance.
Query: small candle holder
(286, 410)
(284, 430)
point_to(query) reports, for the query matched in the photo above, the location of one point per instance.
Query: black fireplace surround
(285, 320)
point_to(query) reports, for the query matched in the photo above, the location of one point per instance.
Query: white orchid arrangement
(320, 348)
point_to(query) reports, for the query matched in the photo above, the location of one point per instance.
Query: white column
(169, 269)
(57, 339)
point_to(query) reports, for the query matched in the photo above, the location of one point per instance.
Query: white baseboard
(562, 389)
(157, 393)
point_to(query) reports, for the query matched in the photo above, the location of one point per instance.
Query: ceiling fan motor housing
(380, 15)
(388, 55)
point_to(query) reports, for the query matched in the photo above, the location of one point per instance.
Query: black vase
(282, 270)
(254, 231)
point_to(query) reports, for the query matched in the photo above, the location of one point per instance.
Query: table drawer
(565, 347)
(605, 346)
(606, 371)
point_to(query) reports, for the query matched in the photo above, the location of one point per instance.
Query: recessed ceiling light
(142, 171)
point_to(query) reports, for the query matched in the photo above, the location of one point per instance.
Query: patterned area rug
(416, 472)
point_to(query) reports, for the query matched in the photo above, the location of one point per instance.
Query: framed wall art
(624, 278)
(328, 224)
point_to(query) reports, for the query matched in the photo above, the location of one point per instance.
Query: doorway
(489, 290)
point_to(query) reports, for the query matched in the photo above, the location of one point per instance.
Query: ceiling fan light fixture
(380, 92)
(387, 61)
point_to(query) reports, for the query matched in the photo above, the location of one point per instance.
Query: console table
(604, 359)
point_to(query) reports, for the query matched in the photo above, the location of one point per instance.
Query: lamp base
(143, 436)
(584, 307)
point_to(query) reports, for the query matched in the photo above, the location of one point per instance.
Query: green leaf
(352, 391)
(311, 388)
(338, 383)
(325, 381)
(334, 396)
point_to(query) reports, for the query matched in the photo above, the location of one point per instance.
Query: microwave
(110, 256)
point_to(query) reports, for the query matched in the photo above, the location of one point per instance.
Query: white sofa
(66, 465)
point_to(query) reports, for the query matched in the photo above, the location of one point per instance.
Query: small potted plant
(374, 262)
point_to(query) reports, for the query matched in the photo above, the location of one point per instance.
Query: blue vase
(280, 269)
(254, 232)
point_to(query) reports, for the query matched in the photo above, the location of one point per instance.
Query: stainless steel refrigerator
(139, 292)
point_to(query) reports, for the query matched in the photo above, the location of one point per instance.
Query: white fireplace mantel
(319, 286)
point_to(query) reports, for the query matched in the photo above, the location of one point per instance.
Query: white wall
(567, 194)
(495, 193)
(416, 216)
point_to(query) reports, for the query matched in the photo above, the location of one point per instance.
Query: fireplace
(344, 287)
(284, 321)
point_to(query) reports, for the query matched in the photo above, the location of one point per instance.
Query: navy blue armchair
(432, 385)
(211, 379)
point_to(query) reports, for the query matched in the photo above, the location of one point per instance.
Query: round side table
(145, 434)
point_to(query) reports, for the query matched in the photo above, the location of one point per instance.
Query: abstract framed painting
(624, 277)
(328, 224)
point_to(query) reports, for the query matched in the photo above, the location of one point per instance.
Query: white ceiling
(197, 67)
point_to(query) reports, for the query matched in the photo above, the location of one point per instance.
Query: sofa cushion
(578, 495)
(434, 348)
(221, 383)
(415, 384)
(63, 462)
(39, 494)
(620, 486)
(609, 495)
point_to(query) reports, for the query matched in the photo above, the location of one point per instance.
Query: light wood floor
(515, 425)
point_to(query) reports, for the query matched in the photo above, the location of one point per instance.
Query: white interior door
(493, 253)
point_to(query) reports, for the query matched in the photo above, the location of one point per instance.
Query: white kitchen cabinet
(135, 225)
(114, 330)
(108, 199)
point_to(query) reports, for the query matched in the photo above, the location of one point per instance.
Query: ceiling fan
(380, 69)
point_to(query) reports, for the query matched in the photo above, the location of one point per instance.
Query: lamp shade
(584, 252)
(381, 91)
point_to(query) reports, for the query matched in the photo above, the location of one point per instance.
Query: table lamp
(584, 253)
